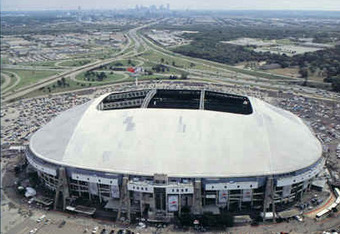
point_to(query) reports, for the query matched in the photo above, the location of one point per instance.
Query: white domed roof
(178, 142)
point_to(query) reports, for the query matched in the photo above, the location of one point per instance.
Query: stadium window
(251, 186)
(212, 186)
(138, 188)
(142, 188)
(146, 189)
(177, 190)
(133, 187)
(186, 190)
(173, 190)
(225, 186)
(99, 181)
(181, 190)
(238, 186)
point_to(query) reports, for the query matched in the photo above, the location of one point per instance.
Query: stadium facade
(153, 152)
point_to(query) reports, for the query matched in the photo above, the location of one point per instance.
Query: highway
(138, 45)
(74, 71)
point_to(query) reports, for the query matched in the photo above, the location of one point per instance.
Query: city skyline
(24, 5)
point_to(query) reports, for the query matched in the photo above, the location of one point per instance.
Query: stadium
(152, 152)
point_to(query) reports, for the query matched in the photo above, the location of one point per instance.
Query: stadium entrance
(160, 201)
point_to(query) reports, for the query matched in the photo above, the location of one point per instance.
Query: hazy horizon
(286, 5)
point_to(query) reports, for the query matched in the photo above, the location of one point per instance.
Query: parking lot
(22, 118)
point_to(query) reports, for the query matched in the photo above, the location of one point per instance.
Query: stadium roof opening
(178, 99)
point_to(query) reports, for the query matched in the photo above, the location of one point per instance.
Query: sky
(324, 5)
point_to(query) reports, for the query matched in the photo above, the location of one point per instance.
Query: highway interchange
(139, 45)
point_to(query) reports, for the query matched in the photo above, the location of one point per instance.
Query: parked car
(298, 218)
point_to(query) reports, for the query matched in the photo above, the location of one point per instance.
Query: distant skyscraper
(79, 13)
(153, 8)
(168, 6)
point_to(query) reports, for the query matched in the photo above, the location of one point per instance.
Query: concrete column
(197, 199)
(228, 201)
(88, 190)
(240, 201)
(179, 204)
(273, 200)
(79, 193)
(99, 193)
(124, 200)
(141, 204)
(62, 187)
(268, 196)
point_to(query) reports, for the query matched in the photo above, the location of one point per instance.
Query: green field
(12, 80)
(75, 63)
(29, 77)
(54, 88)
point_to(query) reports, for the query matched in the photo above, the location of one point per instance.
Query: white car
(41, 218)
(299, 218)
(33, 231)
(95, 229)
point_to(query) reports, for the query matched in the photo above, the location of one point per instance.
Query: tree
(118, 64)
(101, 76)
(147, 72)
(336, 84)
(303, 72)
(63, 81)
(184, 76)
